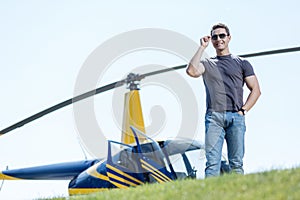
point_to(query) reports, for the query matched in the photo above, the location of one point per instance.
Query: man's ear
(229, 37)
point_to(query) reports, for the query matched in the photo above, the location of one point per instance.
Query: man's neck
(224, 52)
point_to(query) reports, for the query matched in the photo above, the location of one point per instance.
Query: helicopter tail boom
(62, 171)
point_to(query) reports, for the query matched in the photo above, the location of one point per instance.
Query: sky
(44, 45)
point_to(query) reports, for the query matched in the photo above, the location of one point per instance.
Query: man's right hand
(205, 41)
(195, 67)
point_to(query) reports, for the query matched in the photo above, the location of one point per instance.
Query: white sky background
(45, 43)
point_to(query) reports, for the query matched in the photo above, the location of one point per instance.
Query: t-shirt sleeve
(205, 63)
(247, 68)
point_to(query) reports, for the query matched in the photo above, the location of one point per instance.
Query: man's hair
(220, 25)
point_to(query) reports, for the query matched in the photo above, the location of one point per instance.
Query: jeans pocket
(240, 114)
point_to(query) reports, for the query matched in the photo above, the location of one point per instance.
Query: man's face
(220, 39)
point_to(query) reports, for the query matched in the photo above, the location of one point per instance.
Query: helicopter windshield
(189, 164)
(186, 157)
(127, 156)
(152, 158)
(122, 156)
(149, 147)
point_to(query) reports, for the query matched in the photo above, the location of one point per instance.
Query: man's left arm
(253, 86)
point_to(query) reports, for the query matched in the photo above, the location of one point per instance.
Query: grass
(275, 184)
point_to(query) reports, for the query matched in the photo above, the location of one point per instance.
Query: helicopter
(136, 160)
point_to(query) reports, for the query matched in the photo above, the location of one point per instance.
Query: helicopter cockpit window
(179, 166)
(122, 155)
(151, 149)
(189, 164)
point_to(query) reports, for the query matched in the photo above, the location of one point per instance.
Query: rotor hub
(133, 81)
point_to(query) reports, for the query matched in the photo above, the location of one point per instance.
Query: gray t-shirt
(224, 80)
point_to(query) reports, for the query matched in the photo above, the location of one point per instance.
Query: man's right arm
(195, 67)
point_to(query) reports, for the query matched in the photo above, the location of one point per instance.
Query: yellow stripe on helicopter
(76, 191)
(92, 171)
(154, 170)
(7, 177)
(124, 174)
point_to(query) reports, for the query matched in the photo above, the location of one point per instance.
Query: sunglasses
(221, 36)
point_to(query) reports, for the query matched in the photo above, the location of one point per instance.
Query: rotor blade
(63, 104)
(264, 53)
(163, 71)
(120, 83)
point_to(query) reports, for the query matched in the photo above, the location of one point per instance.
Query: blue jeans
(231, 127)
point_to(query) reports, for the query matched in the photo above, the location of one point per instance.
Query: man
(224, 76)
